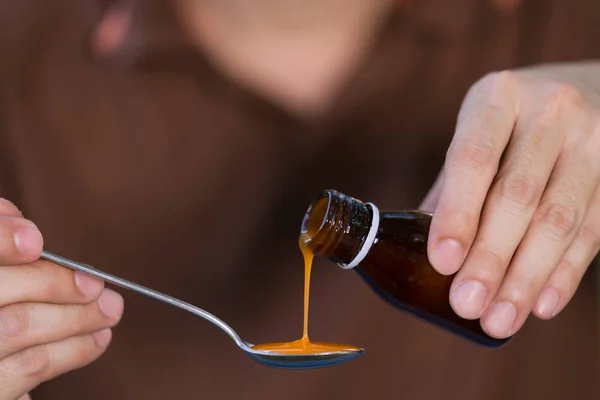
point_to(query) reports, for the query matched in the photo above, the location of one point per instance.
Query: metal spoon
(287, 361)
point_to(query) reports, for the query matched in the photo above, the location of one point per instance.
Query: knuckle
(34, 361)
(83, 317)
(590, 233)
(570, 277)
(458, 221)
(77, 350)
(495, 91)
(497, 81)
(523, 287)
(558, 220)
(81, 352)
(490, 265)
(49, 281)
(559, 98)
(475, 153)
(15, 323)
(520, 188)
(563, 95)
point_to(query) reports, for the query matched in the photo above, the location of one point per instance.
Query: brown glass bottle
(395, 264)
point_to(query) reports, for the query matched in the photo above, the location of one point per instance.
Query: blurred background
(178, 144)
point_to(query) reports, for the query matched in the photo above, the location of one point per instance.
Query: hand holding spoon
(296, 360)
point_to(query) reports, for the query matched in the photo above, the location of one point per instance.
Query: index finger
(45, 282)
(484, 127)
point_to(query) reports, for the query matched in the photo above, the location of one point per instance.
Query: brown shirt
(151, 165)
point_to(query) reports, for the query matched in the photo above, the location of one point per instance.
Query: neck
(292, 16)
(295, 52)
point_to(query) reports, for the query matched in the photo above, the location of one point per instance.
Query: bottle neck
(339, 228)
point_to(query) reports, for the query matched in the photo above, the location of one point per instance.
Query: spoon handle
(145, 291)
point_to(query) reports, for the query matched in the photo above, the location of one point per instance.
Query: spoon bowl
(265, 357)
(302, 361)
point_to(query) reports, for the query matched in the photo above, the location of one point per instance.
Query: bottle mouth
(316, 217)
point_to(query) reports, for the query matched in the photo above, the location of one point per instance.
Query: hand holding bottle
(517, 205)
(51, 320)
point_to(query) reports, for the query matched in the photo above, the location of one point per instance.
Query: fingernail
(88, 285)
(547, 302)
(468, 299)
(29, 241)
(500, 319)
(448, 256)
(111, 304)
(102, 338)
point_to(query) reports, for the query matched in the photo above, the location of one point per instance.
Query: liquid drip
(304, 345)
